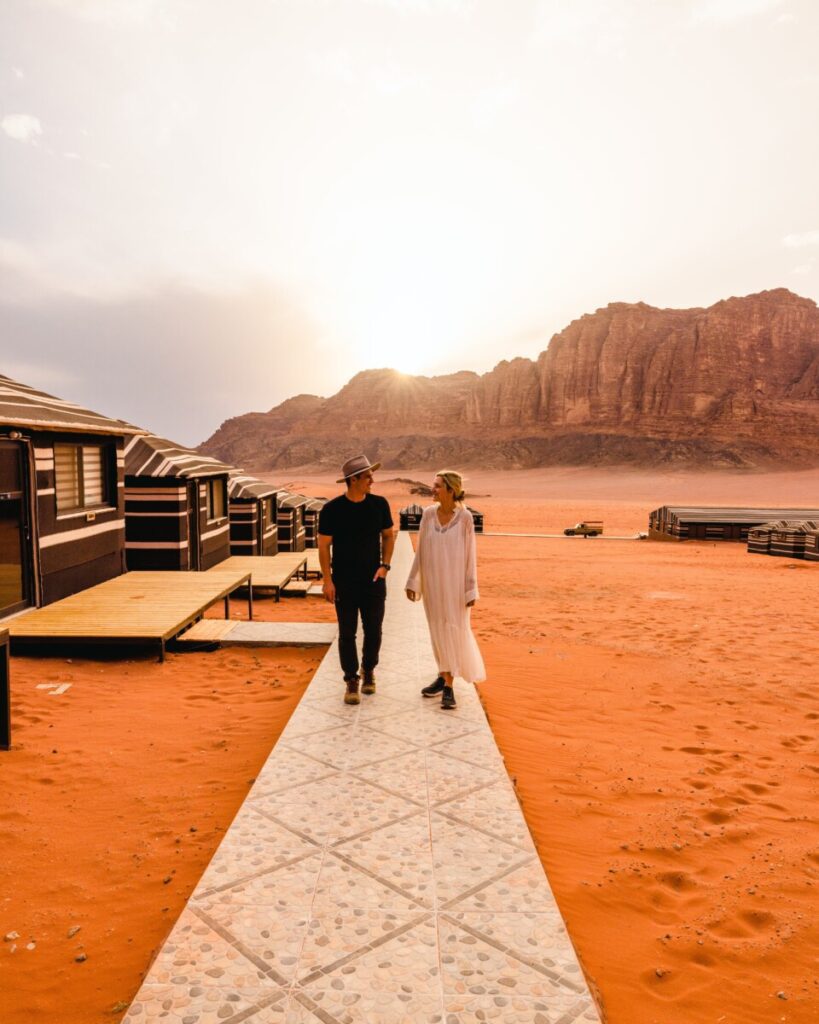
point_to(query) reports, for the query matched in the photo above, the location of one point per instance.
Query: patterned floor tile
(252, 844)
(540, 939)
(307, 721)
(424, 728)
(506, 1009)
(381, 705)
(336, 808)
(477, 748)
(337, 747)
(343, 886)
(400, 854)
(463, 858)
(198, 975)
(476, 976)
(405, 775)
(397, 982)
(286, 768)
(201, 1004)
(447, 776)
(334, 935)
(291, 887)
(494, 809)
(273, 937)
(525, 889)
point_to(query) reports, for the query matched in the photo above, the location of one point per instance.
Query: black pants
(354, 599)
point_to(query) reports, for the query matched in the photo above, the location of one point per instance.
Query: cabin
(759, 537)
(409, 518)
(62, 512)
(789, 539)
(310, 516)
(176, 506)
(812, 546)
(677, 522)
(253, 512)
(291, 521)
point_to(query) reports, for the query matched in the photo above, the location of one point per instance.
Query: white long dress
(444, 576)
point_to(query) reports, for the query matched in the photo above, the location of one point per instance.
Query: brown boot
(351, 696)
(368, 685)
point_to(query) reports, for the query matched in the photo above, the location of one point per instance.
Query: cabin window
(79, 473)
(216, 502)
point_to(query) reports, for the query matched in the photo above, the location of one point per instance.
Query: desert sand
(655, 703)
(657, 706)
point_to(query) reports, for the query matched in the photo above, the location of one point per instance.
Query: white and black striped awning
(154, 456)
(241, 486)
(22, 406)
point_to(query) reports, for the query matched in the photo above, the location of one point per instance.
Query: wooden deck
(269, 573)
(313, 564)
(135, 608)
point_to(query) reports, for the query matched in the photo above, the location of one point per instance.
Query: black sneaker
(434, 688)
(448, 698)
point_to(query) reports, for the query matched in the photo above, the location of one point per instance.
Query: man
(357, 526)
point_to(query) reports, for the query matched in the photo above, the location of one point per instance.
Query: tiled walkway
(379, 872)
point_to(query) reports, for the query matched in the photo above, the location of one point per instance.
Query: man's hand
(380, 573)
(329, 590)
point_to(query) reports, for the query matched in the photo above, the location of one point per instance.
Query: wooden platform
(135, 608)
(313, 564)
(269, 573)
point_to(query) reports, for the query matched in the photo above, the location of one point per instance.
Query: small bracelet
(385, 565)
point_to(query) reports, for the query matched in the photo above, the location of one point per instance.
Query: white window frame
(83, 506)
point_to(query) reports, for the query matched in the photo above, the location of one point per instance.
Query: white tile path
(379, 872)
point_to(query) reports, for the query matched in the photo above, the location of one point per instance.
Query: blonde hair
(453, 481)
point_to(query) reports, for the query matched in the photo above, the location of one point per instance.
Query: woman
(444, 574)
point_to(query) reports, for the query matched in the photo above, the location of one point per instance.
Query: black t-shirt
(355, 527)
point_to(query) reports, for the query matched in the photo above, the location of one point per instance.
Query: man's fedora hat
(357, 464)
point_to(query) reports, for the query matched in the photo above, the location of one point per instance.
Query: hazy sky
(206, 207)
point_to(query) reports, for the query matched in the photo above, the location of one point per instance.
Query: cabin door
(194, 543)
(15, 581)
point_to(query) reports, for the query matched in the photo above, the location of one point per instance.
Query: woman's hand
(469, 604)
(411, 595)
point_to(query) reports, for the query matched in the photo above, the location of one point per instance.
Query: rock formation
(734, 384)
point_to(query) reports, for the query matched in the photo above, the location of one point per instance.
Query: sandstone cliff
(734, 384)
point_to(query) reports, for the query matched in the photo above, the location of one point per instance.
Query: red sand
(656, 704)
(115, 797)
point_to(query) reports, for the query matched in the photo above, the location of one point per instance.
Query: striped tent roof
(23, 406)
(316, 504)
(289, 500)
(799, 526)
(240, 486)
(707, 514)
(154, 456)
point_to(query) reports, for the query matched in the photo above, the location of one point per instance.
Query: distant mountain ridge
(734, 384)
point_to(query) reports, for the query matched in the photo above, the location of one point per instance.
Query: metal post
(250, 600)
(5, 692)
(227, 606)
